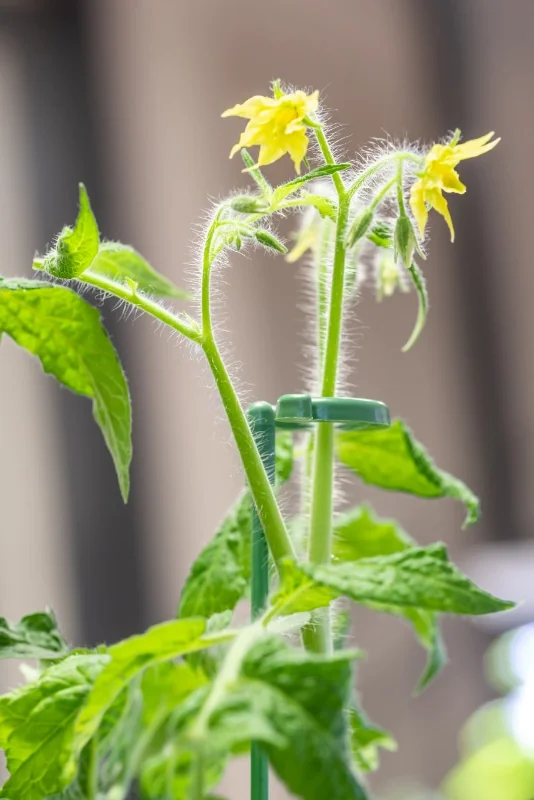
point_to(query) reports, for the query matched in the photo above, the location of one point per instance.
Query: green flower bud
(267, 239)
(404, 240)
(381, 235)
(359, 227)
(247, 204)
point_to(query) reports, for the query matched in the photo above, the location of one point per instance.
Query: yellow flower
(306, 239)
(276, 124)
(389, 276)
(439, 176)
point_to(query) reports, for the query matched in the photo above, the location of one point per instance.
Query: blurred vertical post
(64, 144)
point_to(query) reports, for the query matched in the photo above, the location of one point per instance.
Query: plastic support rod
(293, 412)
(261, 418)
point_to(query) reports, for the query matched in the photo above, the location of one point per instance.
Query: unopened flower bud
(359, 227)
(267, 239)
(404, 240)
(381, 235)
(247, 204)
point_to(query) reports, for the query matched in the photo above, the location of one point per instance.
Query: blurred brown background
(126, 96)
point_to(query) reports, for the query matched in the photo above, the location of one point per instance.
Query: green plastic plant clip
(294, 412)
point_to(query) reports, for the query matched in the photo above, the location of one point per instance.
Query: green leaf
(119, 262)
(168, 774)
(37, 728)
(427, 630)
(365, 739)
(220, 576)
(283, 191)
(81, 786)
(137, 725)
(35, 636)
(326, 208)
(421, 578)
(132, 657)
(66, 334)
(361, 534)
(293, 703)
(120, 744)
(393, 459)
(76, 247)
(419, 282)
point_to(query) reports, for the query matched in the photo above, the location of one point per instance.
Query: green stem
(328, 156)
(317, 636)
(92, 769)
(258, 480)
(335, 318)
(377, 199)
(400, 193)
(197, 782)
(378, 164)
(320, 545)
(322, 293)
(144, 303)
(257, 477)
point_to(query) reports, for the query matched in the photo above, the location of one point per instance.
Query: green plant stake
(262, 423)
(293, 412)
(164, 711)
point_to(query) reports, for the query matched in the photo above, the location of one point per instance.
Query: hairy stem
(328, 156)
(317, 636)
(335, 314)
(141, 301)
(258, 480)
(398, 156)
(400, 193)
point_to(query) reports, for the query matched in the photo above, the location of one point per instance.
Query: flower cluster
(383, 230)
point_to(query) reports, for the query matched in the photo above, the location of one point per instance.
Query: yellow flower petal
(312, 102)
(269, 153)
(418, 206)
(450, 182)
(439, 203)
(306, 240)
(250, 108)
(297, 145)
(476, 147)
(276, 125)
